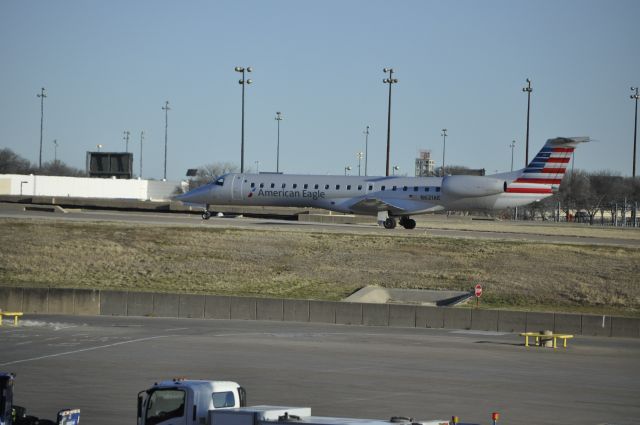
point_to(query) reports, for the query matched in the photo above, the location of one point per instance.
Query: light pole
(444, 147)
(389, 81)
(395, 168)
(635, 129)
(347, 168)
(126, 140)
(55, 150)
(512, 145)
(366, 149)
(41, 95)
(166, 110)
(242, 82)
(99, 147)
(278, 119)
(528, 90)
(141, 140)
(359, 156)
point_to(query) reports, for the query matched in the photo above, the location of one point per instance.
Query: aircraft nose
(199, 195)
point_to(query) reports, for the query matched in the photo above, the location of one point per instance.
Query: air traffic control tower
(425, 166)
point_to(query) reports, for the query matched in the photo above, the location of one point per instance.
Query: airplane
(393, 198)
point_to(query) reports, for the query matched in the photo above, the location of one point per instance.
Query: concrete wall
(84, 187)
(114, 303)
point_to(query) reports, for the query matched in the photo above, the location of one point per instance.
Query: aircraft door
(236, 187)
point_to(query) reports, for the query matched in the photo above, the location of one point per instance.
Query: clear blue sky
(108, 66)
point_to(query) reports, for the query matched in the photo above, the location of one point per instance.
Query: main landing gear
(406, 222)
(206, 214)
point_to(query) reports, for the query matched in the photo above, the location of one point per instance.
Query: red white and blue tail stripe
(546, 170)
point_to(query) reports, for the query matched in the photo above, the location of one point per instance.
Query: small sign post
(478, 292)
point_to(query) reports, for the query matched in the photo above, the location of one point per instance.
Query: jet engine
(472, 186)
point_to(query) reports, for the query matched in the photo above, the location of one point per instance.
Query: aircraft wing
(372, 205)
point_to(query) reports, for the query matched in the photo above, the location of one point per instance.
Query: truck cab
(187, 402)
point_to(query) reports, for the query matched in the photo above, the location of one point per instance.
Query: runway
(423, 230)
(99, 364)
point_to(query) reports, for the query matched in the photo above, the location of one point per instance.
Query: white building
(84, 187)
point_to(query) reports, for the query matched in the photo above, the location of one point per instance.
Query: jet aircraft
(393, 198)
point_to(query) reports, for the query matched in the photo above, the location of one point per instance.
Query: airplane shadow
(513, 344)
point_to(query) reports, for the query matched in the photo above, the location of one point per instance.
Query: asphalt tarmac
(99, 364)
(194, 220)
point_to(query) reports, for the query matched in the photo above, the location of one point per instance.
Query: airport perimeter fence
(620, 214)
(114, 303)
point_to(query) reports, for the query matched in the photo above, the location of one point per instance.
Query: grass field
(307, 264)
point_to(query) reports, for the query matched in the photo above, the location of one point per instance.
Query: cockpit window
(220, 181)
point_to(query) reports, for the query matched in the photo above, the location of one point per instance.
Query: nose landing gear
(206, 215)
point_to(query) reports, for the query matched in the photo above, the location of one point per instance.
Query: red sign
(478, 290)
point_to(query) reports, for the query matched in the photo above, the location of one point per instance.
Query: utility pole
(512, 145)
(635, 129)
(166, 110)
(126, 140)
(243, 82)
(444, 147)
(278, 119)
(389, 81)
(528, 90)
(141, 140)
(55, 150)
(360, 154)
(41, 95)
(366, 149)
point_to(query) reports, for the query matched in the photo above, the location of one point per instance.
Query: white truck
(195, 402)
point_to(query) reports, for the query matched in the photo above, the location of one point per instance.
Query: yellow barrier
(15, 316)
(538, 335)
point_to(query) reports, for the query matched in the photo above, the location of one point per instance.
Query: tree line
(589, 196)
(12, 163)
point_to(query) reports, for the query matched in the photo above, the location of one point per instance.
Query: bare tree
(12, 163)
(209, 172)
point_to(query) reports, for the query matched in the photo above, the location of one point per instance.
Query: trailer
(199, 402)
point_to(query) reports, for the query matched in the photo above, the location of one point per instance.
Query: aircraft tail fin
(546, 169)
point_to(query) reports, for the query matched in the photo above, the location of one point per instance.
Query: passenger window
(326, 186)
(438, 189)
(348, 187)
(426, 189)
(273, 185)
(382, 187)
(394, 188)
(223, 399)
(370, 187)
(253, 184)
(404, 188)
(359, 187)
(306, 186)
(337, 187)
(295, 185)
(261, 185)
(315, 186)
(415, 188)
(284, 185)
